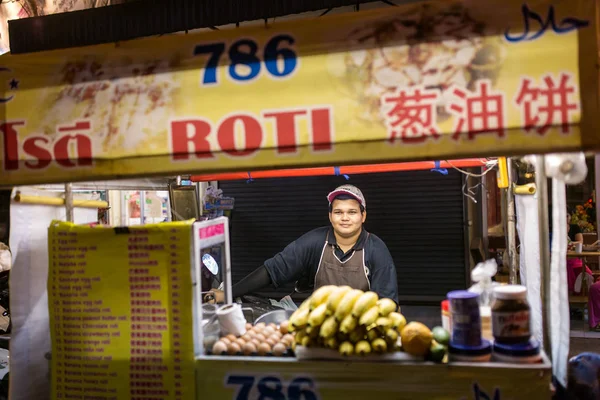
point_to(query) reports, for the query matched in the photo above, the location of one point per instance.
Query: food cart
(426, 81)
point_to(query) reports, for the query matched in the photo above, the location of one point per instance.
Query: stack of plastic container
(466, 343)
(511, 326)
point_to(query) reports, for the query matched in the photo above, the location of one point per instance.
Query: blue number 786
(272, 388)
(244, 53)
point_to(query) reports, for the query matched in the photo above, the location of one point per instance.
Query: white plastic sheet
(30, 338)
(527, 227)
(559, 301)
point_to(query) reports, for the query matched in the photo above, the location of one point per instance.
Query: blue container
(466, 321)
(530, 348)
(480, 353)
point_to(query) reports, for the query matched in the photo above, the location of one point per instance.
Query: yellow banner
(331, 380)
(432, 80)
(120, 312)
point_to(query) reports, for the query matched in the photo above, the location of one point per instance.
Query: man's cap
(349, 190)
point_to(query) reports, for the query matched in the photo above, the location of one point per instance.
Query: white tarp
(30, 338)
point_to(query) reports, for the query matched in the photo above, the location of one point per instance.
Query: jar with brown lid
(511, 314)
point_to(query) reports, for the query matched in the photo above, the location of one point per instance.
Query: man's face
(346, 218)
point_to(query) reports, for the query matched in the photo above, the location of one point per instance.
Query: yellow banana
(299, 336)
(364, 302)
(379, 345)
(329, 328)
(348, 324)
(383, 324)
(334, 299)
(305, 304)
(331, 343)
(362, 348)
(398, 321)
(386, 306)
(369, 316)
(318, 315)
(346, 349)
(357, 335)
(345, 306)
(320, 296)
(306, 341)
(299, 318)
(391, 335)
(373, 334)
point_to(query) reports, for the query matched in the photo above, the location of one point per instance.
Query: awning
(426, 81)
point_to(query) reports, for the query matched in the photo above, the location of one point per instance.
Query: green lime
(437, 352)
(441, 335)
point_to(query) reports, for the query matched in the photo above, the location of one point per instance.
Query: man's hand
(215, 296)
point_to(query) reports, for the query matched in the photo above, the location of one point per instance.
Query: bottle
(446, 316)
(511, 315)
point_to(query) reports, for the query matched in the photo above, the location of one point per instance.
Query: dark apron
(352, 272)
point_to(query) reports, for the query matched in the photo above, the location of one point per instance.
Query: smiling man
(341, 254)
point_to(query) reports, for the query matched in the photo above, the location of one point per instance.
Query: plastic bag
(482, 276)
(286, 303)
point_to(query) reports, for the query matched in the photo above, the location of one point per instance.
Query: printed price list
(120, 312)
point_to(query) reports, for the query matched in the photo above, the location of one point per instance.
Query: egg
(272, 325)
(260, 325)
(268, 331)
(246, 338)
(249, 349)
(263, 349)
(288, 339)
(257, 330)
(225, 340)
(271, 342)
(241, 342)
(283, 327)
(256, 342)
(248, 326)
(231, 337)
(275, 338)
(260, 337)
(279, 349)
(219, 348)
(250, 333)
(233, 348)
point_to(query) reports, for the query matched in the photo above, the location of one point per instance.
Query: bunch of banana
(348, 320)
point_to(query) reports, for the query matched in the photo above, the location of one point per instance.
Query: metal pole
(511, 238)
(542, 201)
(69, 201)
(142, 207)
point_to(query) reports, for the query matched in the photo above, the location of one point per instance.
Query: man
(342, 254)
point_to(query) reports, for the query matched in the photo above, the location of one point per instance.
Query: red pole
(347, 170)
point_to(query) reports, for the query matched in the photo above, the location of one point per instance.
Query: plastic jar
(481, 353)
(524, 353)
(466, 320)
(446, 316)
(511, 315)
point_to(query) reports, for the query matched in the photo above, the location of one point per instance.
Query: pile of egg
(259, 340)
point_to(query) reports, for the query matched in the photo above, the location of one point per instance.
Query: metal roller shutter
(418, 214)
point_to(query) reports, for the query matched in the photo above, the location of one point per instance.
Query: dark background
(418, 214)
